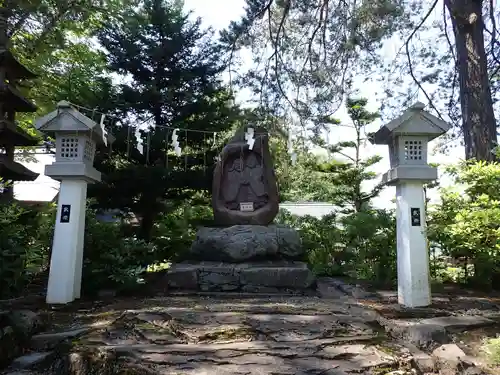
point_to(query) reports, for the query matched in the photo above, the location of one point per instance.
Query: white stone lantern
(407, 137)
(76, 139)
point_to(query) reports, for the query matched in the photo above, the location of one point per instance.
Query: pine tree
(171, 69)
(347, 175)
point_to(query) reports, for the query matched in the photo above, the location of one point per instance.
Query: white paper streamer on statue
(289, 143)
(104, 132)
(293, 154)
(175, 143)
(249, 137)
(140, 146)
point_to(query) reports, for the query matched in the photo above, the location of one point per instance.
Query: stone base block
(246, 243)
(262, 277)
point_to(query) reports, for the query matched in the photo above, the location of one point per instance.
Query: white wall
(316, 209)
(43, 189)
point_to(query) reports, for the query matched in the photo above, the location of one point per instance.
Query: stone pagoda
(12, 101)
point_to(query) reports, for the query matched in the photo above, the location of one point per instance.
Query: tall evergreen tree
(171, 70)
(343, 177)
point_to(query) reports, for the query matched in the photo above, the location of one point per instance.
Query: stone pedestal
(258, 277)
(243, 258)
(241, 243)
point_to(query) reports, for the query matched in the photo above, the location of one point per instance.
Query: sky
(218, 14)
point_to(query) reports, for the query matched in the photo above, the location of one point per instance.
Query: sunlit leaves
(466, 223)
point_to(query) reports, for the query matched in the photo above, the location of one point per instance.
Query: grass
(157, 267)
(491, 348)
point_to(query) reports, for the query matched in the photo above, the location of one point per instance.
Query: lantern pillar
(76, 139)
(67, 249)
(407, 137)
(412, 252)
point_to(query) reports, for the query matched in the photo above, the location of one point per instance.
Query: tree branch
(407, 43)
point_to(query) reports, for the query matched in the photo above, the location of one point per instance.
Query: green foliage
(306, 50)
(320, 238)
(357, 240)
(350, 173)
(14, 241)
(171, 76)
(115, 258)
(175, 231)
(111, 258)
(369, 240)
(24, 245)
(361, 245)
(52, 38)
(491, 347)
(337, 179)
(465, 223)
(306, 181)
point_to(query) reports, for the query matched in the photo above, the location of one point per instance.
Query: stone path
(193, 335)
(338, 335)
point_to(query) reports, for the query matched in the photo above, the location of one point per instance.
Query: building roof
(315, 209)
(14, 99)
(44, 188)
(13, 135)
(13, 171)
(13, 68)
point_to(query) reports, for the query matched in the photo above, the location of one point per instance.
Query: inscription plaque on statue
(246, 207)
(65, 213)
(415, 217)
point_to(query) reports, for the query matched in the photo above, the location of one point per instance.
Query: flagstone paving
(278, 335)
(196, 335)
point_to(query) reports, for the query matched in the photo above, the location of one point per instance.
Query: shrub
(24, 245)
(360, 245)
(320, 239)
(369, 237)
(466, 224)
(111, 259)
(175, 231)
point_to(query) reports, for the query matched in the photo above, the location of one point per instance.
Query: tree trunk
(147, 223)
(149, 211)
(478, 118)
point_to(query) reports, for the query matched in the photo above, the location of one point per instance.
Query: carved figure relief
(244, 178)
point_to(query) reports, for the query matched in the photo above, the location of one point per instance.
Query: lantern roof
(414, 121)
(66, 119)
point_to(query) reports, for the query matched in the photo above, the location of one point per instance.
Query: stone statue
(244, 252)
(244, 189)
